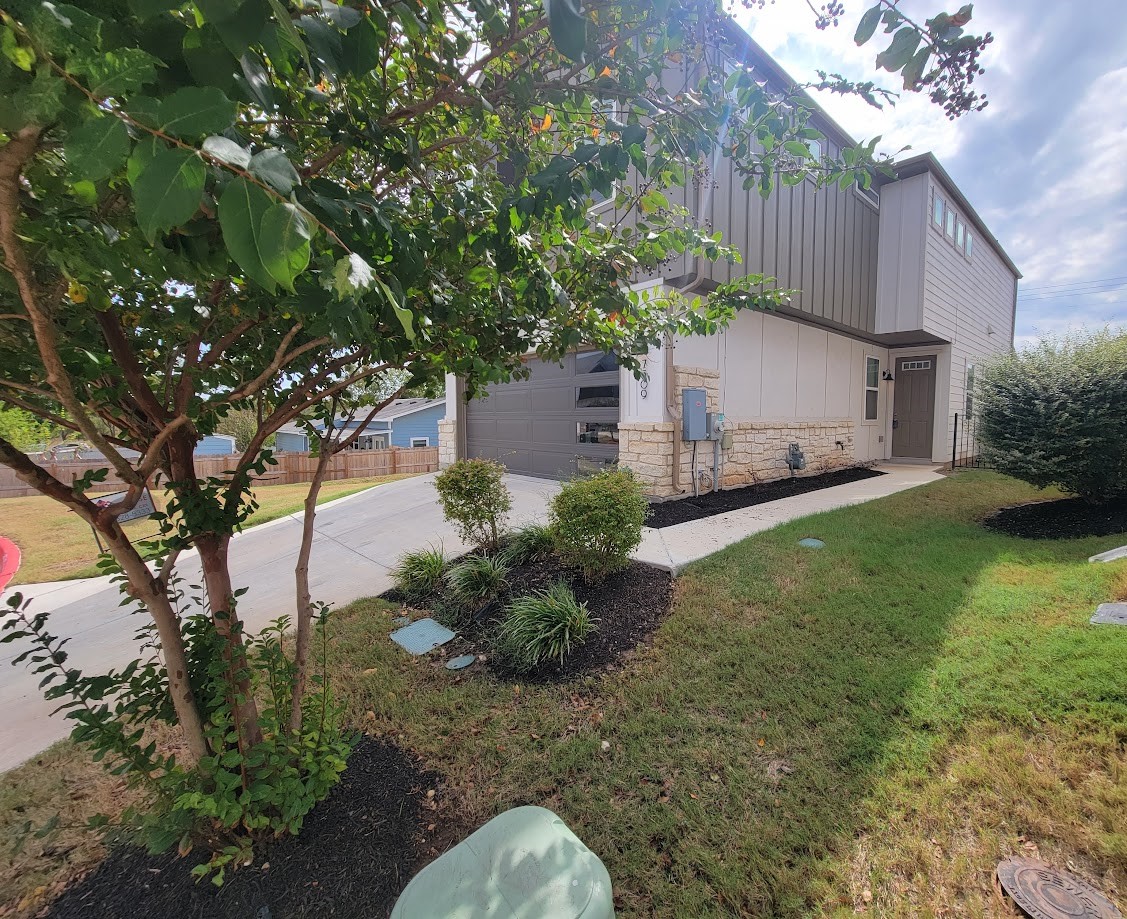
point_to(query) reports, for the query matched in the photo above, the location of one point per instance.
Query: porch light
(887, 376)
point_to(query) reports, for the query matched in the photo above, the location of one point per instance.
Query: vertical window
(815, 150)
(970, 244)
(970, 391)
(950, 222)
(420, 441)
(960, 234)
(872, 387)
(937, 211)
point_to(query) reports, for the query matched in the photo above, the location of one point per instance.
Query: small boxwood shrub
(1056, 414)
(597, 522)
(477, 579)
(530, 543)
(474, 498)
(420, 575)
(543, 626)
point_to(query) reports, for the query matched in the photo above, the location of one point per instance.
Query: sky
(1045, 164)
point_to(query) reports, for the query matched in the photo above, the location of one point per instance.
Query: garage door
(561, 422)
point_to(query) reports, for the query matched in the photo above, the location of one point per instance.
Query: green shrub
(419, 575)
(544, 626)
(1056, 414)
(597, 522)
(530, 543)
(474, 498)
(477, 580)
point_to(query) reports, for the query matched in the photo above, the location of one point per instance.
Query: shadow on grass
(744, 744)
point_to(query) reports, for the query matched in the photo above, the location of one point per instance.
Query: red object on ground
(9, 561)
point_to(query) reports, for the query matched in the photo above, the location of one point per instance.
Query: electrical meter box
(715, 425)
(694, 414)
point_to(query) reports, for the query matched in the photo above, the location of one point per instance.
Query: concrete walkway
(676, 546)
(359, 539)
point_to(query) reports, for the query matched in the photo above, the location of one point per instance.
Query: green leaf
(20, 55)
(39, 103)
(284, 243)
(208, 60)
(117, 72)
(63, 29)
(167, 192)
(143, 153)
(797, 148)
(273, 167)
(868, 25)
(97, 148)
(360, 48)
(227, 151)
(401, 313)
(352, 275)
(239, 22)
(915, 67)
(242, 207)
(286, 23)
(147, 9)
(568, 28)
(897, 54)
(196, 110)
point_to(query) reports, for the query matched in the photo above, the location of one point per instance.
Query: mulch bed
(353, 857)
(629, 604)
(1067, 518)
(671, 513)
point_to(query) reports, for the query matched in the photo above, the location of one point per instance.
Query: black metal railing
(965, 447)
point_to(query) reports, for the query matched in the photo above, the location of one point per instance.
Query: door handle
(895, 422)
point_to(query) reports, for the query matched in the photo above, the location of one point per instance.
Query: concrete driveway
(359, 538)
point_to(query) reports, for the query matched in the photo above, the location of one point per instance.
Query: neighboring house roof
(395, 409)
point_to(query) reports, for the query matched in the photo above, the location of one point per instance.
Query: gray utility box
(694, 414)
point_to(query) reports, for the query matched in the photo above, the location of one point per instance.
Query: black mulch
(353, 857)
(670, 513)
(629, 604)
(1067, 518)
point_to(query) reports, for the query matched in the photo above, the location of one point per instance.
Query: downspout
(693, 282)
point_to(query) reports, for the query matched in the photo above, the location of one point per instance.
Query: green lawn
(868, 727)
(57, 545)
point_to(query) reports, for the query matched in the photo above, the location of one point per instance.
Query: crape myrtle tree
(221, 205)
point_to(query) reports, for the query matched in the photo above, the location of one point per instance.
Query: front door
(913, 409)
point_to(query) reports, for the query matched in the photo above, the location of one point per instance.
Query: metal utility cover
(811, 543)
(1110, 614)
(1041, 891)
(422, 636)
(460, 663)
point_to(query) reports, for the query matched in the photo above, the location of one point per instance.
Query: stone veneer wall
(447, 443)
(758, 452)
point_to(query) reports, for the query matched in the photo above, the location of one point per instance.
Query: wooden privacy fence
(290, 468)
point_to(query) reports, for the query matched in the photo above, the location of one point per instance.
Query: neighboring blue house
(402, 423)
(215, 445)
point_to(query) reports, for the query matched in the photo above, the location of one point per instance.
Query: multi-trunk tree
(258, 205)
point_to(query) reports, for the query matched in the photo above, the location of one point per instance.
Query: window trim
(866, 389)
(425, 442)
(938, 199)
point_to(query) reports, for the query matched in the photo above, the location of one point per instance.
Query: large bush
(598, 521)
(474, 498)
(1056, 414)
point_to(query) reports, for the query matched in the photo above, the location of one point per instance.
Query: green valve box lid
(524, 864)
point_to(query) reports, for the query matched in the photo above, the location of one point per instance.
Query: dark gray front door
(913, 409)
(561, 422)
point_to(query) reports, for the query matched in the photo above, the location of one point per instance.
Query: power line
(1087, 305)
(1076, 293)
(1037, 288)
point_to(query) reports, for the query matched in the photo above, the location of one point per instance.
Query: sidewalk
(675, 547)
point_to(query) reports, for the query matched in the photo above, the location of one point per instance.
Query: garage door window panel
(597, 396)
(600, 433)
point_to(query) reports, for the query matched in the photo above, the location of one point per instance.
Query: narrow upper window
(970, 244)
(937, 211)
(950, 222)
(960, 234)
(815, 149)
(872, 387)
(970, 390)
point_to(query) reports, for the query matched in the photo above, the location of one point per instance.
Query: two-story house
(902, 291)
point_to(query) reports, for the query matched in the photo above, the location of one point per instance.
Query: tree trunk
(221, 599)
(304, 595)
(154, 595)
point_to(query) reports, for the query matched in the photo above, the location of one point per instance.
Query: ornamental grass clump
(597, 522)
(531, 543)
(1056, 414)
(544, 627)
(420, 575)
(477, 580)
